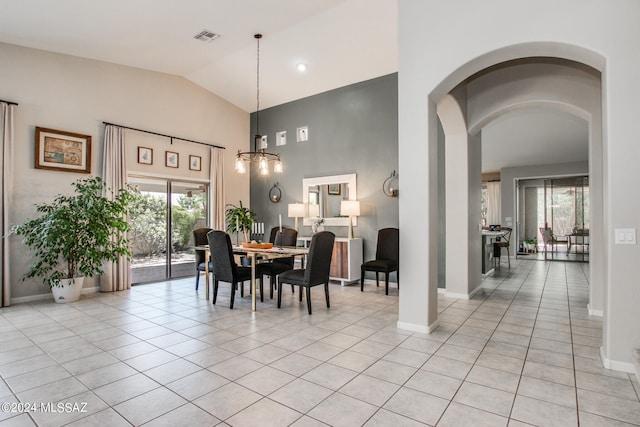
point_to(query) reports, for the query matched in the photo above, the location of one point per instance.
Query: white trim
(463, 296)
(592, 312)
(418, 328)
(442, 291)
(616, 365)
(41, 297)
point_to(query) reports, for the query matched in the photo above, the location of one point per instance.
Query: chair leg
(197, 279)
(215, 290)
(261, 289)
(361, 279)
(326, 294)
(398, 279)
(272, 283)
(386, 283)
(233, 294)
(377, 279)
(508, 259)
(308, 297)
(300, 293)
(279, 293)
(242, 290)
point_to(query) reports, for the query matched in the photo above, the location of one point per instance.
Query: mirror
(324, 194)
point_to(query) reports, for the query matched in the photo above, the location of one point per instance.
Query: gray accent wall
(353, 129)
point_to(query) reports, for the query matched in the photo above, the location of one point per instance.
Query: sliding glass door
(565, 221)
(162, 228)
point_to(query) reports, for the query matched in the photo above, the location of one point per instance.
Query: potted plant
(75, 235)
(239, 219)
(530, 243)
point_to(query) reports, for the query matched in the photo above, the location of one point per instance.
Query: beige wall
(77, 95)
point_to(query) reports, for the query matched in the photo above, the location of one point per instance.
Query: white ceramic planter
(68, 292)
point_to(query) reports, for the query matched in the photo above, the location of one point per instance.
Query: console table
(345, 260)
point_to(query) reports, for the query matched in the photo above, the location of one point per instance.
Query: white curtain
(117, 276)
(216, 188)
(493, 203)
(6, 160)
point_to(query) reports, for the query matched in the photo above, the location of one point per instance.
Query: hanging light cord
(258, 37)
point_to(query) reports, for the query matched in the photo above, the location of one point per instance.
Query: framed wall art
(195, 163)
(62, 151)
(145, 155)
(171, 159)
(334, 189)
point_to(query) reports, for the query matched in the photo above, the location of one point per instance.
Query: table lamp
(296, 210)
(350, 208)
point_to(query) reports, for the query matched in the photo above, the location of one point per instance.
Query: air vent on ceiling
(206, 36)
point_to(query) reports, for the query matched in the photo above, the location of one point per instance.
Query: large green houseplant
(75, 235)
(239, 219)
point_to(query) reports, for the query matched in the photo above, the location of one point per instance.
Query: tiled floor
(523, 352)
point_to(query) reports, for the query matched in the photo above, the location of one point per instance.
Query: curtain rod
(8, 102)
(166, 136)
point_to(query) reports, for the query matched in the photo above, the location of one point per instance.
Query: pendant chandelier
(258, 155)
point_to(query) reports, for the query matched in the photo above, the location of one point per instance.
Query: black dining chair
(387, 258)
(225, 268)
(288, 237)
(200, 239)
(316, 271)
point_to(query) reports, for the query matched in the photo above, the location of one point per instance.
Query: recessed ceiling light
(302, 67)
(206, 36)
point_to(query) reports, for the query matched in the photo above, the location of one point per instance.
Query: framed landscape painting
(62, 151)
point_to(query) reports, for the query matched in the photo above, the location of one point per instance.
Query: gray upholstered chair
(387, 258)
(316, 271)
(200, 239)
(225, 268)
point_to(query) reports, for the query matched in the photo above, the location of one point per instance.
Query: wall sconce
(390, 185)
(350, 208)
(275, 194)
(296, 210)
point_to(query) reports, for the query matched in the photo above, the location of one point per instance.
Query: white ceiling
(341, 41)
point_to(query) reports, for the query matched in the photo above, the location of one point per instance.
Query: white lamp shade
(296, 210)
(350, 208)
(314, 210)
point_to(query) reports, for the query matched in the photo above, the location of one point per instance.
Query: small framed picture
(145, 155)
(262, 145)
(195, 163)
(302, 134)
(171, 159)
(334, 189)
(281, 138)
(62, 151)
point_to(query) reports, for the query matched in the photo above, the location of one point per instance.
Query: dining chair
(288, 237)
(316, 272)
(225, 268)
(548, 238)
(503, 241)
(200, 239)
(387, 258)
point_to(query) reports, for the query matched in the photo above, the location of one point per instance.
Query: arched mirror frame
(348, 179)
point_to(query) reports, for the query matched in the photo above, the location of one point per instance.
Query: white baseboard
(598, 313)
(463, 296)
(418, 328)
(636, 362)
(41, 297)
(616, 365)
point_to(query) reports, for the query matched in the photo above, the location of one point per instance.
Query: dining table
(255, 254)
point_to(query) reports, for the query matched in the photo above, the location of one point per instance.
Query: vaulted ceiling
(340, 41)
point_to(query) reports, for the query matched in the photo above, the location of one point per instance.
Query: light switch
(625, 236)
